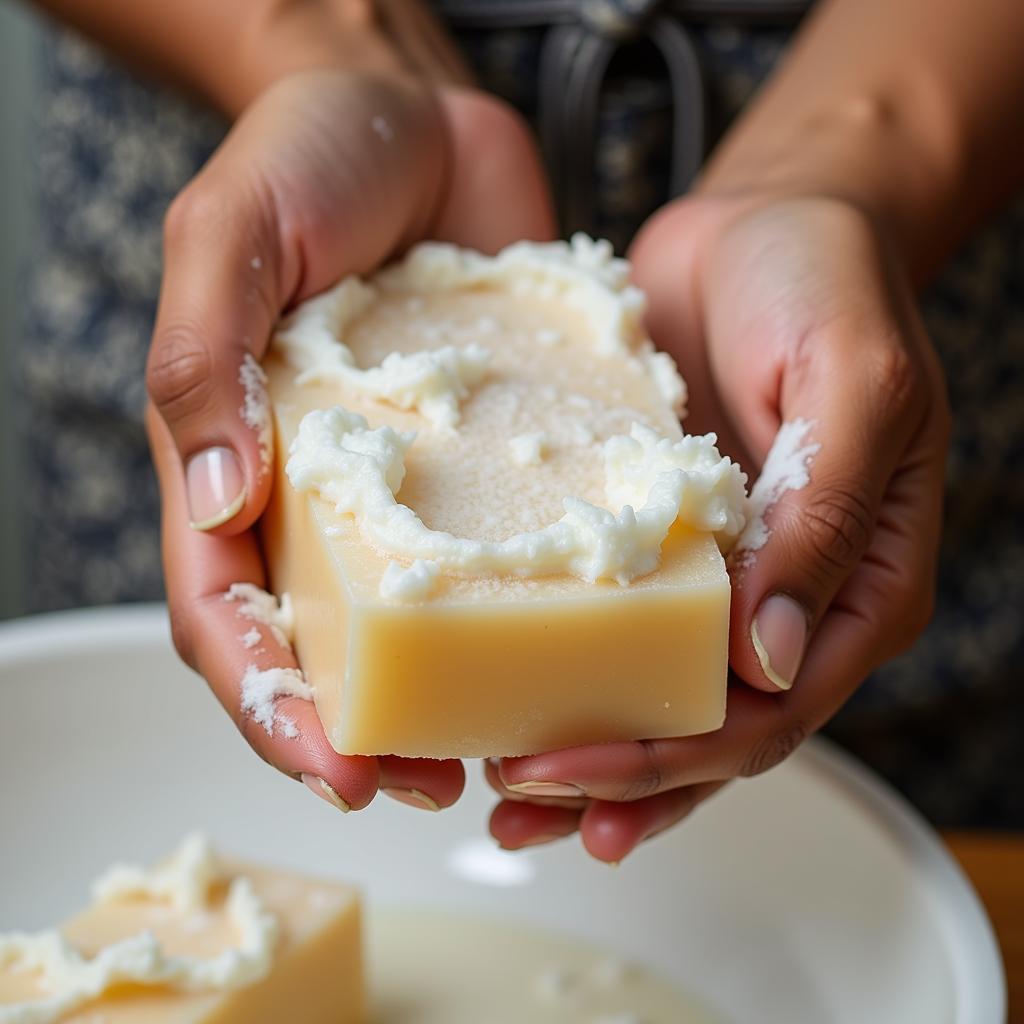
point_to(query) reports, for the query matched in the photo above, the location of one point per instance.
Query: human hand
(777, 309)
(327, 173)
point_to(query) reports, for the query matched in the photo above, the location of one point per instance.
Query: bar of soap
(196, 940)
(496, 538)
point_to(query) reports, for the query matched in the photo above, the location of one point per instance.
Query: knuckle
(192, 211)
(894, 378)
(773, 749)
(838, 522)
(646, 780)
(179, 374)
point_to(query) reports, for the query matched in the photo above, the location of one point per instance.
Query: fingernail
(412, 797)
(546, 789)
(779, 635)
(215, 485)
(326, 791)
(547, 837)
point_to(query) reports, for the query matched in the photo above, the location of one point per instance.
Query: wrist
(283, 37)
(893, 159)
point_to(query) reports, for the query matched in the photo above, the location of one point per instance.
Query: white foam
(529, 449)
(786, 468)
(255, 410)
(262, 688)
(409, 584)
(251, 639)
(256, 604)
(651, 481)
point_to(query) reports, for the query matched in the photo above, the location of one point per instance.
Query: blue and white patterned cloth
(944, 722)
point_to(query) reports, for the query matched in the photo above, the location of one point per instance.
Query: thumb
(847, 420)
(222, 290)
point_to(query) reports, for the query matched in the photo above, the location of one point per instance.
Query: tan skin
(782, 285)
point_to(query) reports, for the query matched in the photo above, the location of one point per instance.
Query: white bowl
(812, 894)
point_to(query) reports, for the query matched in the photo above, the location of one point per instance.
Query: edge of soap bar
(387, 701)
(340, 997)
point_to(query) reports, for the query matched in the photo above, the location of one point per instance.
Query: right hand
(326, 174)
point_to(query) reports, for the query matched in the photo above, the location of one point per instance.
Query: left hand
(776, 308)
(326, 174)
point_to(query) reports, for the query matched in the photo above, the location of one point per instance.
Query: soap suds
(256, 263)
(786, 468)
(651, 481)
(409, 583)
(433, 382)
(250, 639)
(262, 688)
(255, 411)
(583, 273)
(581, 435)
(184, 882)
(529, 449)
(259, 606)
(548, 337)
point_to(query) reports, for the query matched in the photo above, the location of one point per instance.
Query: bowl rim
(979, 979)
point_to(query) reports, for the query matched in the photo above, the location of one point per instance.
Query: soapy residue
(259, 606)
(251, 638)
(255, 411)
(409, 583)
(584, 274)
(433, 381)
(651, 482)
(786, 468)
(185, 882)
(262, 688)
(529, 449)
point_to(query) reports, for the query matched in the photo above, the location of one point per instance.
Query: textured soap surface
(495, 665)
(316, 976)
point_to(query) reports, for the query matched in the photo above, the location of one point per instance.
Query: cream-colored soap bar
(292, 952)
(489, 645)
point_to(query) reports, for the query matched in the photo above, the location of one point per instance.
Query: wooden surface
(995, 865)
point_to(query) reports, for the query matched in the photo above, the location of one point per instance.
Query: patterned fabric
(110, 154)
(942, 722)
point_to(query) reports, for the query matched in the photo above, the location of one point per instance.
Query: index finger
(219, 643)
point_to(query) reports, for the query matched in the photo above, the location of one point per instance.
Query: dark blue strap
(582, 38)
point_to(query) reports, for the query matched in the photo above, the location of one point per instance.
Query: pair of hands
(776, 308)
